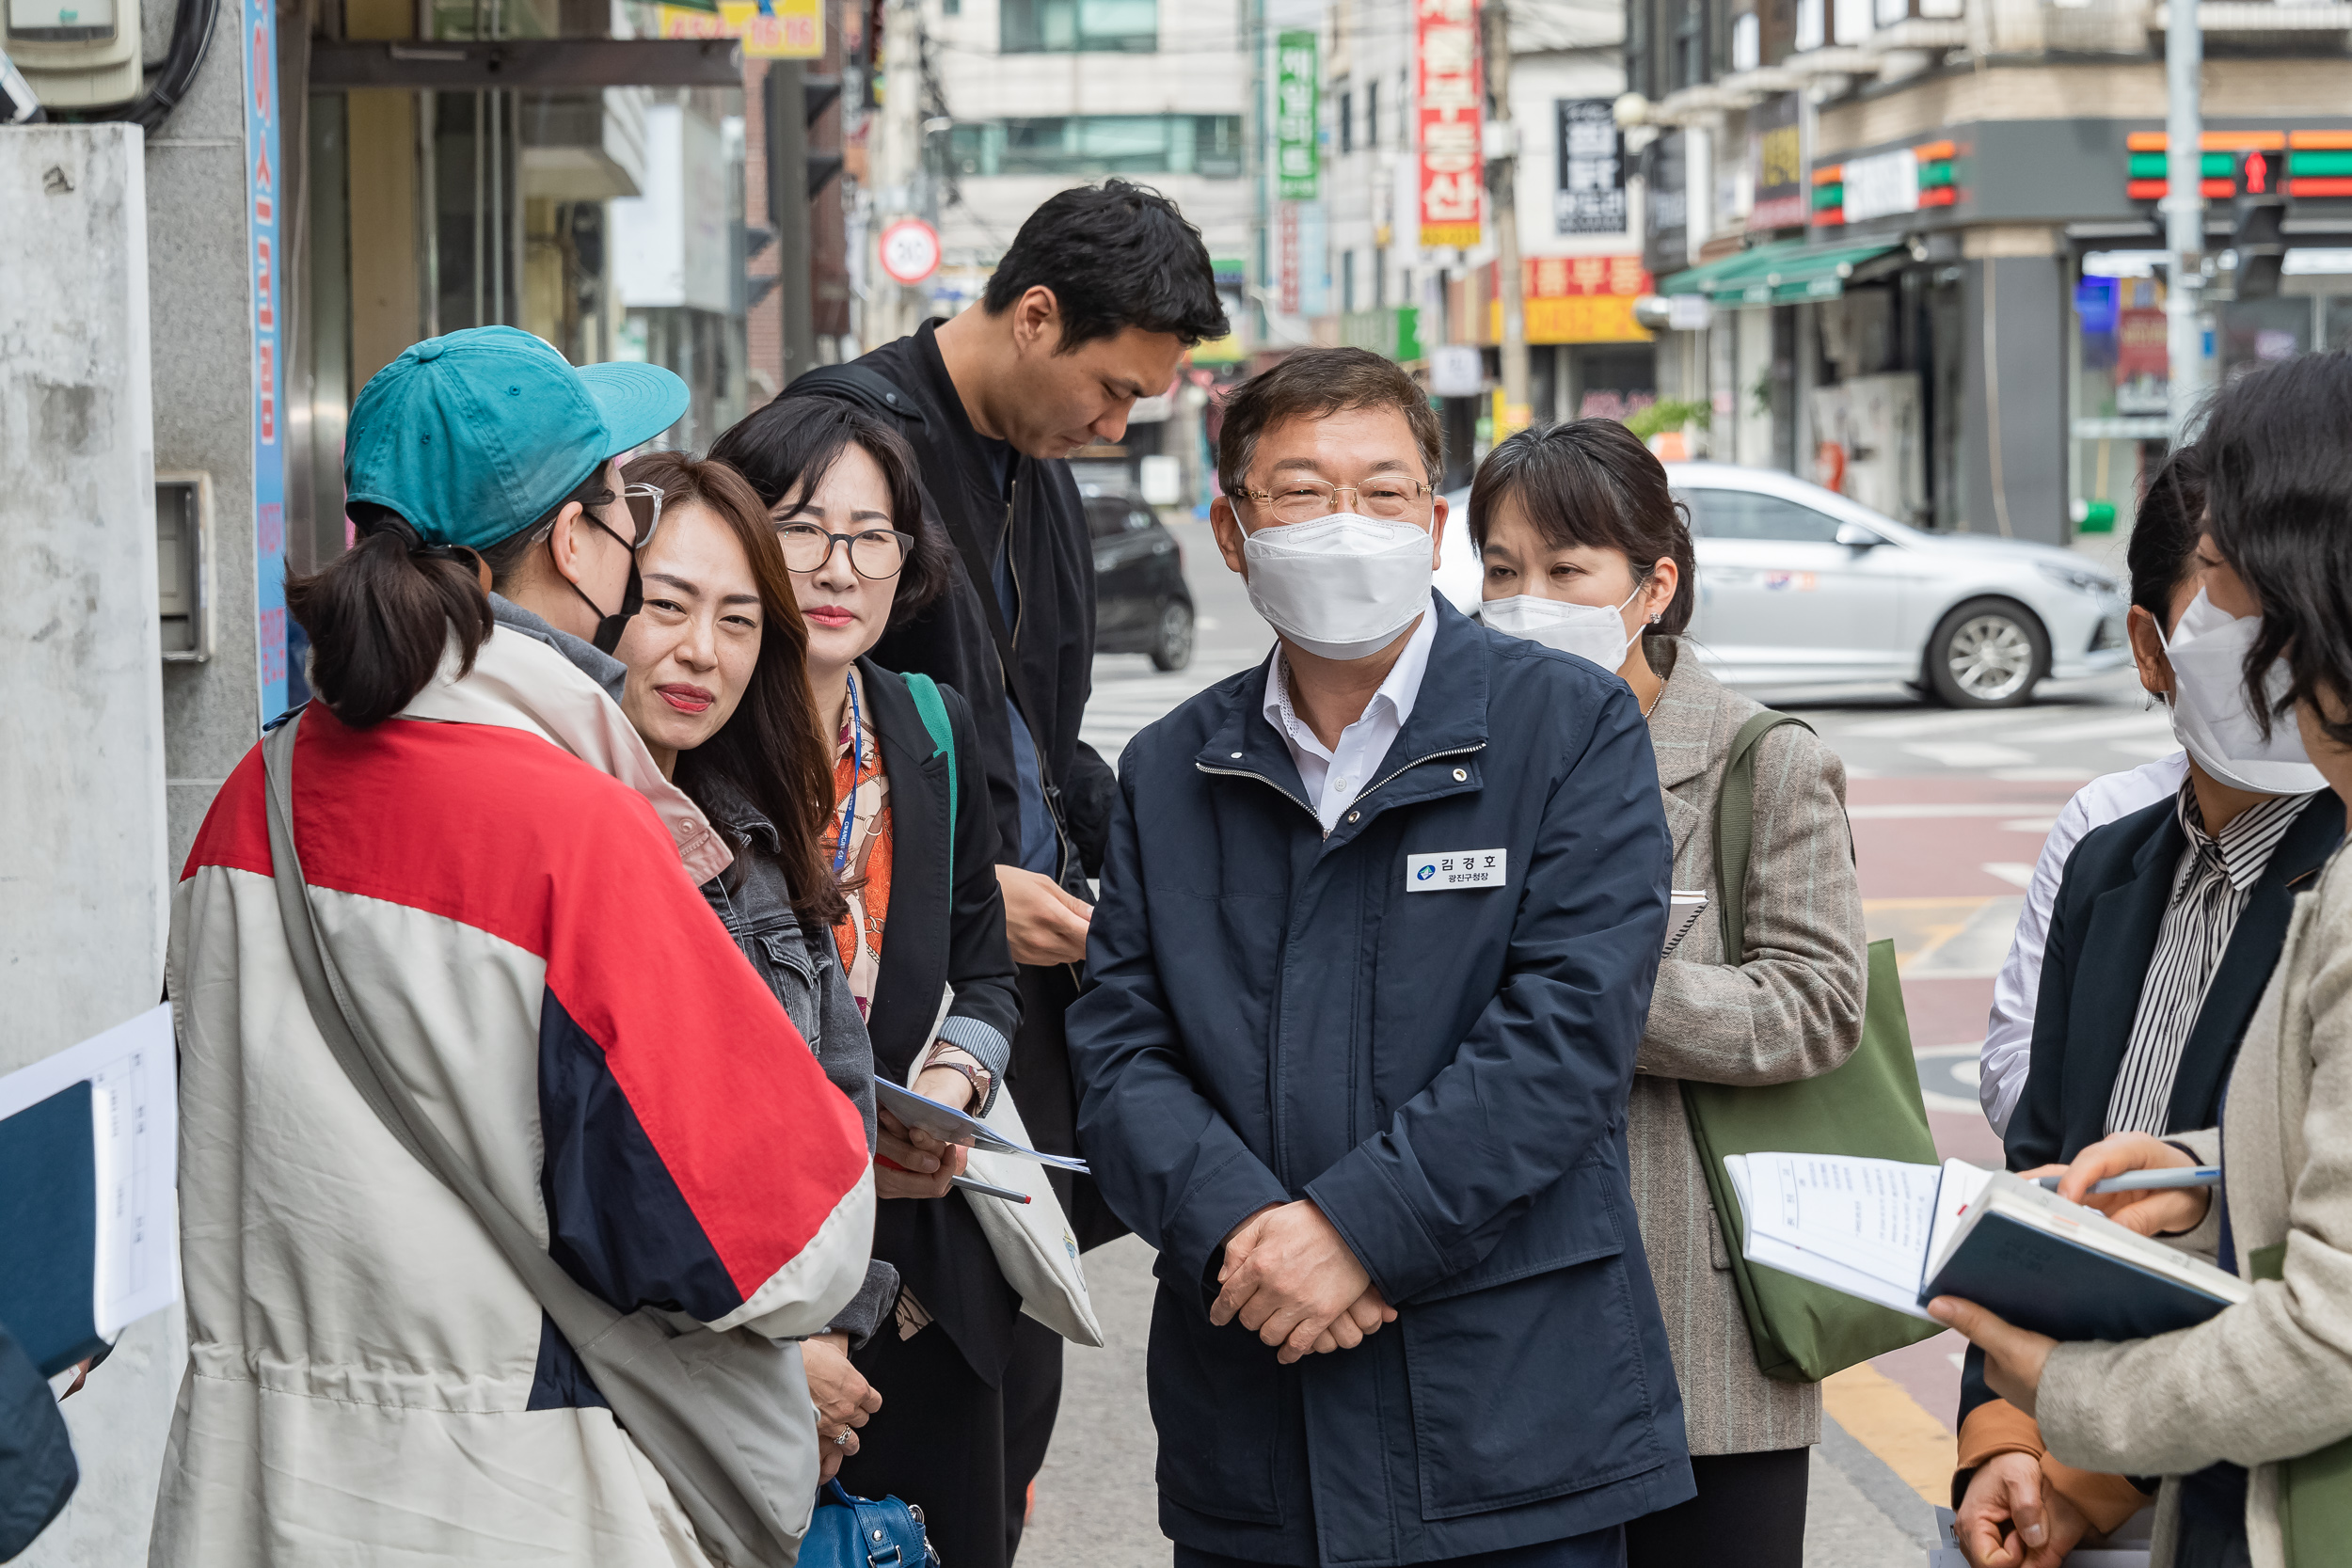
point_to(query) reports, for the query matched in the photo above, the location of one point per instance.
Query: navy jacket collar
(1449, 719)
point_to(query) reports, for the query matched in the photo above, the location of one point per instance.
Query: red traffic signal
(2255, 175)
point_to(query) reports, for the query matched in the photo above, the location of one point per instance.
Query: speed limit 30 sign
(910, 250)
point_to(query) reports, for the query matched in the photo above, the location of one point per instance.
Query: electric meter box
(75, 54)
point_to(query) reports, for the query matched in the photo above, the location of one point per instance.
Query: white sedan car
(1799, 586)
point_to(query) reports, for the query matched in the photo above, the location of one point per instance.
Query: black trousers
(1600, 1548)
(944, 1440)
(1749, 1510)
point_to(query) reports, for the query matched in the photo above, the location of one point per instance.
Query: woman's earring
(1656, 617)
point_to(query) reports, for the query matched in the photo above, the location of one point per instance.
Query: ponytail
(380, 614)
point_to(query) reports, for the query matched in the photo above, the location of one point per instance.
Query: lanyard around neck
(857, 766)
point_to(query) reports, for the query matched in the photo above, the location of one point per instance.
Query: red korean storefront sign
(1450, 96)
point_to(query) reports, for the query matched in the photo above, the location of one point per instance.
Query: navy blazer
(1274, 1014)
(2103, 937)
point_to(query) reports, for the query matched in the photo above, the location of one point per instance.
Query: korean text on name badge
(1460, 869)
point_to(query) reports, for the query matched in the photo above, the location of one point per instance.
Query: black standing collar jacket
(946, 927)
(1053, 566)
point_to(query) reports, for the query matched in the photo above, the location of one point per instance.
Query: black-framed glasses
(1302, 500)
(878, 554)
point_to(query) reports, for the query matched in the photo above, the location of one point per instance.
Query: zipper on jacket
(1247, 773)
(1452, 751)
(1013, 566)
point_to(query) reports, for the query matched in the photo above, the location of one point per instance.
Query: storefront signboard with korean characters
(1449, 99)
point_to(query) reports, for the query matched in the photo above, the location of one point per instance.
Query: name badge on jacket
(1460, 869)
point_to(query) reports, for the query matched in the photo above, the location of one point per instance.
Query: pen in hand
(987, 1189)
(2147, 1180)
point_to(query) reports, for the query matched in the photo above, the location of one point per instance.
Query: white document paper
(1863, 1226)
(134, 1107)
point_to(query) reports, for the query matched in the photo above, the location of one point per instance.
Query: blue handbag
(852, 1532)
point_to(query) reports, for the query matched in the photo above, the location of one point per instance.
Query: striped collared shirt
(2215, 878)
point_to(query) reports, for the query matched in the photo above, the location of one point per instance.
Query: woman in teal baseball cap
(483, 448)
(475, 887)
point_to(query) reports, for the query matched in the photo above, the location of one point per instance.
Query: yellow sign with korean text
(777, 30)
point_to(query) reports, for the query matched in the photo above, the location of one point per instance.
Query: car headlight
(2081, 579)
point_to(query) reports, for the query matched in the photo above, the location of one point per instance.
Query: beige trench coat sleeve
(1791, 1006)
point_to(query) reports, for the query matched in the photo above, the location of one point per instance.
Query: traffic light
(2259, 232)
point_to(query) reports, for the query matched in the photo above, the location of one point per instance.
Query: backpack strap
(933, 710)
(859, 384)
(1735, 828)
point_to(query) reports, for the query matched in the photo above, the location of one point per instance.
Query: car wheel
(1987, 653)
(1171, 640)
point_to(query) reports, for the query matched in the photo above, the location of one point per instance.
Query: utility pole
(898, 160)
(2185, 214)
(1502, 159)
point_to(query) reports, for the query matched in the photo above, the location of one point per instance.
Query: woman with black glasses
(925, 925)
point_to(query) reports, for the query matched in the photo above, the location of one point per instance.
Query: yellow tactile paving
(1881, 1415)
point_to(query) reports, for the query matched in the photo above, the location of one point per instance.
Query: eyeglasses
(645, 511)
(878, 553)
(1302, 500)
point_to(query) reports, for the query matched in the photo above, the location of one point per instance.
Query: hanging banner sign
(770, 29)
(262, 231)
(1451, 106)
(1776, 165)
(1591, 195)
(1286, 259)
(1295, 85)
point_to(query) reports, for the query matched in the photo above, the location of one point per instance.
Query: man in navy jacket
(1377, 934)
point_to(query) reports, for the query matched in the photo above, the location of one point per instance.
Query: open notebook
(1901, 1235)
(89, 1226)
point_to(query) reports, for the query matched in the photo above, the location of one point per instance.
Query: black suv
(1141, 604)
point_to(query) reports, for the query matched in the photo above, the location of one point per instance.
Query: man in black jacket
(1093, 307)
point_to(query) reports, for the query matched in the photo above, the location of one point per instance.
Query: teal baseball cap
(475, 435)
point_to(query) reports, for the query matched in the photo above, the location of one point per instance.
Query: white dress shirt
(2008, 1033)
(1335, 777)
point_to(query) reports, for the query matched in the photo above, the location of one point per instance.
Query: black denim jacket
(801, 968)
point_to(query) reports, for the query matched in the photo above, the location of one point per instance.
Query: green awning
(1784, 272)
(1706, 278)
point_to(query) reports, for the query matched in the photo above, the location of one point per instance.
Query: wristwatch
(977, 1076)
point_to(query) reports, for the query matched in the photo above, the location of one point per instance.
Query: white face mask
(2210, 716)
(1587, 630)
(1341, 586)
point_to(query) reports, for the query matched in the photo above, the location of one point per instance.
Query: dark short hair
(2278, 450)
(792, 443)
(1116, 255)
(1593, 482)
(2163, 551)
(1316, 384)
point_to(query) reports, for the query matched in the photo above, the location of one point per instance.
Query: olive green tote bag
(2315, 1491)
(1870, 1105)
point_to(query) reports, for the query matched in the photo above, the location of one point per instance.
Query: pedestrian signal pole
(2258, 228)
(2185, 214)
(1502, 152)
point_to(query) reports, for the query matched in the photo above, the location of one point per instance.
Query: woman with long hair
(493, 865)
(718, 687)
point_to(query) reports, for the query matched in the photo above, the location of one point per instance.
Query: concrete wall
(83, 858)
(203, 369)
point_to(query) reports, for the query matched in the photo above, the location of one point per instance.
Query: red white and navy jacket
(510, 887)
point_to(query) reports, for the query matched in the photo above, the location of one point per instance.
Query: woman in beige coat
(2217, 1409)
(1586, 550)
